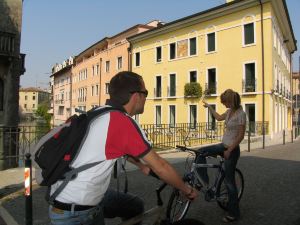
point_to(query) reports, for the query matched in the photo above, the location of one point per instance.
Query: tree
(42, 111)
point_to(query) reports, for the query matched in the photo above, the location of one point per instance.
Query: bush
(193, 89)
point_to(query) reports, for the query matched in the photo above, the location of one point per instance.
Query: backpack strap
(72, 174)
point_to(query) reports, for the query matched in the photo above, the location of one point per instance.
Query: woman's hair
(231, 97)
(122, 85)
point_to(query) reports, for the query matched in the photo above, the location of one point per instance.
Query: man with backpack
(86, 198)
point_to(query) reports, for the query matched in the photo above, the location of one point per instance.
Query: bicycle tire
(222, 193)
(178, 205)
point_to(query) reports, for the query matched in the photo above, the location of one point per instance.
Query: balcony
(249, 86)
(211, 88)
(7, 44)
(59, 102)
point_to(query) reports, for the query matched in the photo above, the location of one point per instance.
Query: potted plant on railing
(192, 89)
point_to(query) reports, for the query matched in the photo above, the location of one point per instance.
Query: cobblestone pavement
(271, 196)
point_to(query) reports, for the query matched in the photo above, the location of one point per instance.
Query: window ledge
(171, 96)
(250, 93)
(212, 52)
(248, 45)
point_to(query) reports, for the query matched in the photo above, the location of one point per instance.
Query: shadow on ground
(271, 196)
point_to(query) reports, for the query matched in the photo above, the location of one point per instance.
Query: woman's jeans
(114, 204)
(230, 165)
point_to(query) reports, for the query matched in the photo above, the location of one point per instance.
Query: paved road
(271, 197)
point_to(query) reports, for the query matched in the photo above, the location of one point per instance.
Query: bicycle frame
(218, 166)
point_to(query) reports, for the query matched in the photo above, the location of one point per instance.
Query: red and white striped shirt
(110, 136)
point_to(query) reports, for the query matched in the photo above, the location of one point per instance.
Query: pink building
(94, 67)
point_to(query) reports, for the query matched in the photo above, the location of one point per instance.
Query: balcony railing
(7, 43)
(249, 85)
(211, 88)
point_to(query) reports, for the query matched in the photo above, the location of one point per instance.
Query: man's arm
(144, 168)
(167, 173)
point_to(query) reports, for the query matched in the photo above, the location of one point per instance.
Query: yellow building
(30, 98)
(240, 45)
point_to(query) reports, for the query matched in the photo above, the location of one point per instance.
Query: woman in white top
(235, 123)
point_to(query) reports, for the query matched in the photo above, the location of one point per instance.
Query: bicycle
(178, 205)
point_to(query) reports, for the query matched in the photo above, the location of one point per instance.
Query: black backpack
(59, 148)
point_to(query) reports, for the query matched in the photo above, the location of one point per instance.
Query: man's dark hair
(122, 85)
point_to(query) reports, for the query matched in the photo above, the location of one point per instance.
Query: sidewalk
(12, 180)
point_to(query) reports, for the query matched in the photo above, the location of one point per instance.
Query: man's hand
(191, 194)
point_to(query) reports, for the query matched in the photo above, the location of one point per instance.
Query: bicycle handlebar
(184, 149)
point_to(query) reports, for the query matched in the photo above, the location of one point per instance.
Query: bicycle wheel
(178, 205)
(222, 193)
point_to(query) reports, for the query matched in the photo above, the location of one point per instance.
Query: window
(119, 63)
(158, 87)
(211, 85)
(33, 97)
(211, 119)
(172, 119)
(211, 42)
(193, 46)
(92, 93)
(172, 86)
(250, 112)
(193, 116)
(25, 106)
(158, 54)
(248, 33)
(93, 70)
(33, 105)
(172, 50)
(107, 65)
(97, 89)
(106, 88)
(97, 69)
(158, 115)
(193, 76)
(25, 97)
(249, 83)
(137, 59)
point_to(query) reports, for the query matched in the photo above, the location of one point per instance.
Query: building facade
(243, 45)
(30, 99)
(296, 98)
(11, 61)
(11, 68)
(94, 67)
(61, 91)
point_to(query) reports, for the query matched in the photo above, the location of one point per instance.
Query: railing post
(28, 190)
(292, 134)
(283, 133)
(249, 140)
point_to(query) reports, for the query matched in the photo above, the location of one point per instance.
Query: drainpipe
(291, 90)
(100, 76)
(129, 57)
(263, 71)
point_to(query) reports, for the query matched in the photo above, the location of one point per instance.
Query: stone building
(11, 68)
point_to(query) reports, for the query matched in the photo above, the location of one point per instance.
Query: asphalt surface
(271, 195)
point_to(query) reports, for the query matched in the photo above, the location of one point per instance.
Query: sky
(53, 30)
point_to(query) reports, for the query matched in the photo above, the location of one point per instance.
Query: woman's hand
(205, 104)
